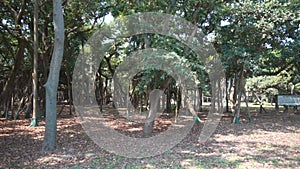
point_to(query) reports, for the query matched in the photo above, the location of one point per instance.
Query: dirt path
(271, 141)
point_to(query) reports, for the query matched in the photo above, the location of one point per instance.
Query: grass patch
(95, 163)
(276, 162)
(217, 162)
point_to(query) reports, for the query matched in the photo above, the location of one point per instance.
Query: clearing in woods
(271, 141)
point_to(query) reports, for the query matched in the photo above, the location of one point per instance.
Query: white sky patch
(288, 40)
(210, 37)
(108, 18)
(4, 22)
(224, 22)
(268, 46)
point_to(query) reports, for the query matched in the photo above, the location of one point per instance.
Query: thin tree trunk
(178, 102)
(227, 95)
(168, 104)
(34, 121)
(49, 143)
(231, 95)
(9, 84)
(292, 89)
(19, 57)
(69, 92)
(12, 105)
(200, 99)
(247, 106)
(235, 92)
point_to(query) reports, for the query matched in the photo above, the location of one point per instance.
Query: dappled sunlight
(266, 143)
(20, 129)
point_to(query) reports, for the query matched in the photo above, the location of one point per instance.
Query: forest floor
(272, 140)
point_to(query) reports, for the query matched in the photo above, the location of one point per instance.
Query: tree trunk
(168, 104)
(69, 92)
(19, 57)
(239, 89)
(49, 143)
(231, 94)
(235, 92)
(34, 121)
(200, 99)
(178, 102)
(18, 62)
(188, 103)
(154, 99)
(12, 105)
(292, 89)
(246, 101)
(227, 95)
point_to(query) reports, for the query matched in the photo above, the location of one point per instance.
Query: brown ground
(271, 141)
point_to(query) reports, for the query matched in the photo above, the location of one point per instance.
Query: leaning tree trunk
(18, 62)
(34, 121)
(49, 143)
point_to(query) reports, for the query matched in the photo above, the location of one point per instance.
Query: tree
(34, 120)
(17, 46)
(13, 28)
(252, 32)
(49, 143)
(154, 99)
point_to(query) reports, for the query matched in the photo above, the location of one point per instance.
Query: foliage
(254, 32)
(257, 40)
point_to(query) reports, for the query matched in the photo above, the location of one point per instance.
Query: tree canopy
(257, 40)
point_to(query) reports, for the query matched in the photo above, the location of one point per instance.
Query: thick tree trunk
(239, 88)
(154, 99)
(49, 143)
(238, 107)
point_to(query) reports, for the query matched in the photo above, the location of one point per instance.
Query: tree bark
(35, 67)
(200, 99)
(9, 84)
(154, 99)
(49, 143)
(19, 57)
(239, 88)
